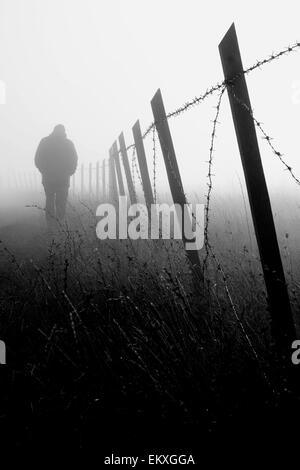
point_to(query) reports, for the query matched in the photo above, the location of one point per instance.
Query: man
(56, 159)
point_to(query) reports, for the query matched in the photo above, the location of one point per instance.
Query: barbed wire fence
(221, 87)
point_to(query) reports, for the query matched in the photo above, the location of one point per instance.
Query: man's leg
(61, 201)
(50, 211)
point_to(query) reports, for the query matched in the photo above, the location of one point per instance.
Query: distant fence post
(113, 187)
(173, 173)
(132, 195)
(103, 180)
(140, 150)
(118, 169)
(282, 321)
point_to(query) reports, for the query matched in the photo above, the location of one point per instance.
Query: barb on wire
(265, 136)
(196, 100)
(210, 175)
(273, 56)
(149, 129)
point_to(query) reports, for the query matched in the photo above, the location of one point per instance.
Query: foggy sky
(95, 65)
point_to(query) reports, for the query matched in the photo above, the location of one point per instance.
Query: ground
(112, 347)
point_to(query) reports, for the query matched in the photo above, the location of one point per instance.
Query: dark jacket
(56, 159)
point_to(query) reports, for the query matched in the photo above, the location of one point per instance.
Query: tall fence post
(131, 190)
(118, 169)
(140, 150)
(282, 320)
(113, 187)
(173, 173)
(103, 180)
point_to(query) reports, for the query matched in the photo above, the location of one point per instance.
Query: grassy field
(111, 345)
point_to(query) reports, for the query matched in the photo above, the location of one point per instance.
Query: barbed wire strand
(266, 136)
(210, 175)
(132, 168)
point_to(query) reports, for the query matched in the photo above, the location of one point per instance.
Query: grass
(108, 341)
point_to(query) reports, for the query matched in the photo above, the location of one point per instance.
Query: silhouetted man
(56, 159)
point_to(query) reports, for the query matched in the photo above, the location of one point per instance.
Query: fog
(94, 66)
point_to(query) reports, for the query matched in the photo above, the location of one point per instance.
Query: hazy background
(94, 66)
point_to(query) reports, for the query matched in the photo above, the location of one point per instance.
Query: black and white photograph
(149, 232)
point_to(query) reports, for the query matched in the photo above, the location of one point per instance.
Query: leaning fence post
(140, 150)
(173, 173)
(282, 320)
(132, 195)
(118, 168)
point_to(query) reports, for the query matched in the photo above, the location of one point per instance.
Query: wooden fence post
(140, 150)
(118, 168)
(282, 321)
(113, 187)
(131, 190)
(103, 180)
(173, 173)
